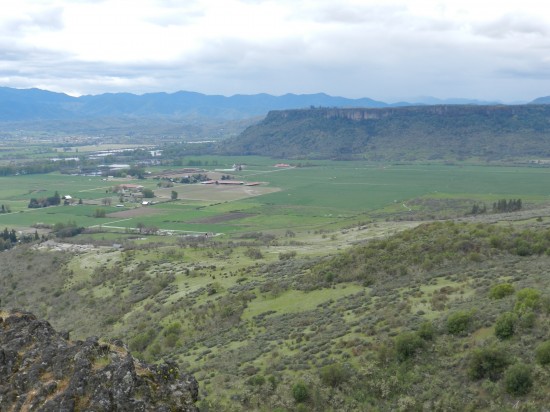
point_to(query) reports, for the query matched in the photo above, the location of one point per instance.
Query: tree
(174, 195)
(140, 226)
(99, 212)
(148, 193)
(106, 201)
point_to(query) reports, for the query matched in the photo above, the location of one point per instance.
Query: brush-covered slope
(40, 369)
(405, 133)
(443, 316)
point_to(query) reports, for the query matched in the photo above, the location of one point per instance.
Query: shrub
(287, 255)
(459, 322)
(526, 300)
(407, 344)
(426, 331)
(300, 392)
(253, 253)
(334, 375)
(505, 325)
(527, 320)
(500, 291)
(488, 362)
(542, 353)
(518, 379)
(256, 380)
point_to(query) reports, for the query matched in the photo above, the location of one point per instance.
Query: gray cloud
(511, 25)
(354, 14)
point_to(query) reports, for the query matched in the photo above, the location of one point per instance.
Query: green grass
(294, 301)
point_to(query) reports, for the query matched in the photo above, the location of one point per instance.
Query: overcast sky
(384, 49)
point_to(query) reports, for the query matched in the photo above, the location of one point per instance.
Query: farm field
(325, 195)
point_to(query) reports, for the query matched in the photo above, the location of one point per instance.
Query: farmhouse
(67, 199)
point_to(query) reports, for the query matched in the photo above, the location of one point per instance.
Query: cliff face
(402, 133)
(41, 370)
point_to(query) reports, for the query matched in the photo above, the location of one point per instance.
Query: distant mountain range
(36, 104)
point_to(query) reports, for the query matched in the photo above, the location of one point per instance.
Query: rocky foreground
(42, 370)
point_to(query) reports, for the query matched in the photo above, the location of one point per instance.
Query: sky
(388, 50)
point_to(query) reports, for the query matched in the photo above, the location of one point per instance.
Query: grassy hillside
(407, 133)
(441, 316)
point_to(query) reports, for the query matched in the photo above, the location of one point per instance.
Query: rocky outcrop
(42, 370)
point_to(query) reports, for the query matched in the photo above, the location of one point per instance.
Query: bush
(518, 379)
(407, 344)
(505, 325)
(334, 375)
(459, 322)
(488, 362)
(300, 392)
(526, 300)
(426, 331)
(542, 353)
(500, 291)
(253, 253)
(256, 380)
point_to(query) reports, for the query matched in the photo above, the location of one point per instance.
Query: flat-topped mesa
(442, 132)
(40, 369)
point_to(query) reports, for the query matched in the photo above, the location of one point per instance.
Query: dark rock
(41, 370)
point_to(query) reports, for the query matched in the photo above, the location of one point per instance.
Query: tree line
(45, 201)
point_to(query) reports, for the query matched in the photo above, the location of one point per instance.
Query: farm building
(229, 182)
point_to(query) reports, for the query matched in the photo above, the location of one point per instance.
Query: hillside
(442, 316)
(404, 133)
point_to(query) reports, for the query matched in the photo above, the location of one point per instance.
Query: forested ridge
(451, 132)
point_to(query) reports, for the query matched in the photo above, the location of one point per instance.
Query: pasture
(313, 197)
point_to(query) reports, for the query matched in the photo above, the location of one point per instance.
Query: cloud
(511, 25)
(354, 48)
(49, 18)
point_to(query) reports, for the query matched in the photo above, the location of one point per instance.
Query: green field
(327, 194)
